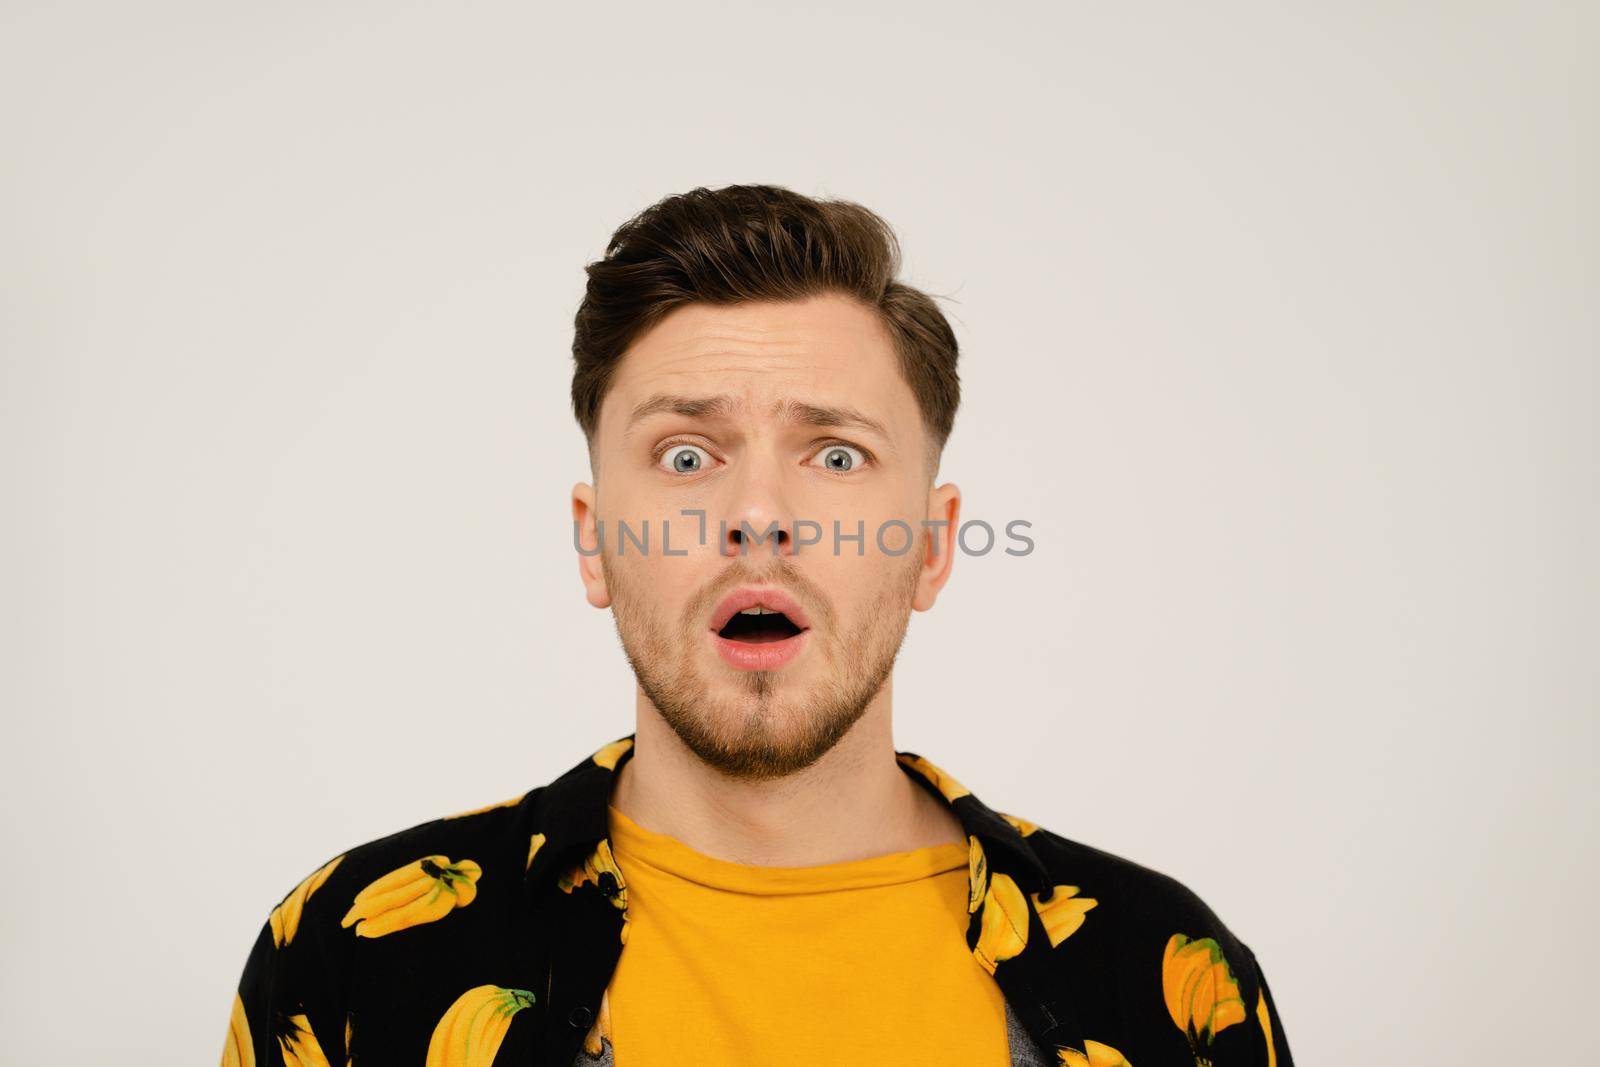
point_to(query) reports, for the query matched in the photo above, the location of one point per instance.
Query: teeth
(759, 610)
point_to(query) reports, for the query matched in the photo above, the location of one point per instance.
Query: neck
(852, 803)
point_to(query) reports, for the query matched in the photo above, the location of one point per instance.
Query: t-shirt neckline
(633, 844)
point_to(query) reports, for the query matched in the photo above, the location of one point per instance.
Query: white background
(1278, 324)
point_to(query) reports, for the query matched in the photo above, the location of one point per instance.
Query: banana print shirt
(490, 937)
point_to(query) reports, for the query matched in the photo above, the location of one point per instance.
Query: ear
(587, 541)
(944, 507)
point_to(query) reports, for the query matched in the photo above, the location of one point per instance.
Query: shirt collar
(573, 818)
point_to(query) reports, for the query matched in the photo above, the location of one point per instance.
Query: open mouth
(759, 626)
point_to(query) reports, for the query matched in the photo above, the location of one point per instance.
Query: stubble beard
(769, 728)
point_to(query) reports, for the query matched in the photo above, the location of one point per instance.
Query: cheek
(876, 535)
(886, 547)
(860, 587)
(663, 588)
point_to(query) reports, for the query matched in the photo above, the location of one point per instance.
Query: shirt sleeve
(289, 1005)
(249, 1024)
(1273, 1042)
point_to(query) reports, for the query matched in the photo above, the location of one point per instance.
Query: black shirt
(489, 937)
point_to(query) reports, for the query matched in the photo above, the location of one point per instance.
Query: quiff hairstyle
(757, 242)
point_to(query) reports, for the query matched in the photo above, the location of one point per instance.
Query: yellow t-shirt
(863, 961)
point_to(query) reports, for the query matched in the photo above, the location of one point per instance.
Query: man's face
(751, 418)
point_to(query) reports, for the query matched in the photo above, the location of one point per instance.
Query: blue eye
(841, 459)
(684, 459)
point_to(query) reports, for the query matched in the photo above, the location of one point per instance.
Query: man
(755, 875)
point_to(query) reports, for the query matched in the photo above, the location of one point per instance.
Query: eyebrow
(722, 405)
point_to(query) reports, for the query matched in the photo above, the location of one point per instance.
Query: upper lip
(751, 596)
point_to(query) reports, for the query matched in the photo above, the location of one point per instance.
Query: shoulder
(299, 983)
(1149, 959)
(414, 875)
(1136, 894)
(444, 848)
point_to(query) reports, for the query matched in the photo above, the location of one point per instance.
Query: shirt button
(608, 884)
(580, 1018)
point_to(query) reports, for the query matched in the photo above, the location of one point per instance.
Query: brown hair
(757, 242)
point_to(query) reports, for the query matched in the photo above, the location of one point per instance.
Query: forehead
(826, 350)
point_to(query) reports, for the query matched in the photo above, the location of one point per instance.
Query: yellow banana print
(1063, 913)
(513, 802)
(947, 786)
(420, 892)
(1004, 930)
(1264, 1017)
(239, 1050)
(599, 862)
(607, 755)
(285, 918)
(471, 1030)
(1201, 994)
(534, 844)
(1024, 827)
(1094, 1054)
(977, 874)
(299, 1045)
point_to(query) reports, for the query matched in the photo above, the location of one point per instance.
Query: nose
(759, 522)
(758, 535)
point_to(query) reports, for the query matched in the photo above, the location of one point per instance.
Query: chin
(753, 741)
